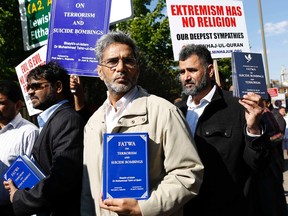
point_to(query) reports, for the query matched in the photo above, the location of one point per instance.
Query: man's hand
(125, 206)
(9, 185)
(254, 109)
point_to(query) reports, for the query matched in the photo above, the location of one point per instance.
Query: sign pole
(216, 72)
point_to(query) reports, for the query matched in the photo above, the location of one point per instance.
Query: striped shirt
(16, 138)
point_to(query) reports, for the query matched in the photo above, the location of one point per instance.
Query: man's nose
(120, 66)
(187, 75)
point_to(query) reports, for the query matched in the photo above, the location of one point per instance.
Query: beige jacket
(175, 168)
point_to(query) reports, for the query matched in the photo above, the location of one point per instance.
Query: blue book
(24, 173)
(125, 166)
(248, 74)
(73, 31)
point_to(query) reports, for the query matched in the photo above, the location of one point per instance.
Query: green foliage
(224, 67)
(11, 44)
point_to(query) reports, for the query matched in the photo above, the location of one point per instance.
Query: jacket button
(133, 122)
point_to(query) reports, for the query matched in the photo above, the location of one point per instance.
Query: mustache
(120, 76)
(189, 82)
(33, 97)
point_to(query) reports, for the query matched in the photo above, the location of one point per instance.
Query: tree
(224, 67)
(11, 44)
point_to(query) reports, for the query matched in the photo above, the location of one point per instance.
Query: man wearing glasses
(58, 150)
(175, 170)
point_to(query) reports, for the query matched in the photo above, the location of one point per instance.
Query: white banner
(23, 69)
(219, 25)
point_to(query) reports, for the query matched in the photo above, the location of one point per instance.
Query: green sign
(35, 17)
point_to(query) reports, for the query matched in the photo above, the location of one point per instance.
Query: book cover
(73, 31)
(248, 74)
(125, 165)
(24, 173)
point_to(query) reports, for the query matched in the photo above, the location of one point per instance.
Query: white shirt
(16, 138)
(43, 117)
(195, 111)
(112, 116)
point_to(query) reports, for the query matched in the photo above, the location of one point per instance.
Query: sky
(275, 21)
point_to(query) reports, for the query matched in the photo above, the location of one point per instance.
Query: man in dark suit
(58, 150)
(230, 140)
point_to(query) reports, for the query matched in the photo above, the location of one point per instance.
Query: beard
(47, 102)
(197, 88)
(120, 88)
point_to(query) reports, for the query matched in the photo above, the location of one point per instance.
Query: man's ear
(211, 70)
(58, 86)
(100, 72)
(19, 105)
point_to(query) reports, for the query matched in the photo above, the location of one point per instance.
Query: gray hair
(200, 50)
(114, 37)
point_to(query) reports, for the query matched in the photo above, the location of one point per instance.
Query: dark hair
(11, 90)
(52, 72)
(200, 50)
(114, 37)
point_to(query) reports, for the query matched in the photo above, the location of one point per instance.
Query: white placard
(23, 69)
(219, 25)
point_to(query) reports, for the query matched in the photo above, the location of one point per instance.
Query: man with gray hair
(175, 170)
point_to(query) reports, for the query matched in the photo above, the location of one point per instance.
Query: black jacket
(229, 157)
(59, 153)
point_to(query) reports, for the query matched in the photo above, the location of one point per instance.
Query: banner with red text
(219, 25)
(23, 69)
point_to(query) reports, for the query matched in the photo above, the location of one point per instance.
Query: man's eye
(112, 61)
(129, 60)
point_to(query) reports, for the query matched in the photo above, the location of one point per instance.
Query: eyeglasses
(36, 86)
(113, 62)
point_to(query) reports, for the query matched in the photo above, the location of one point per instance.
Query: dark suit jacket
(59, 153)
(229, 157)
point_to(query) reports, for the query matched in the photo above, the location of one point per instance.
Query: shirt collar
(123, 101)
(45, 115)
(206, 99)
(13, 123)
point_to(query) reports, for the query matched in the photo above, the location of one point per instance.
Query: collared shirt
(43, 117)
(16, 138)
(112, 116)
(195, 111)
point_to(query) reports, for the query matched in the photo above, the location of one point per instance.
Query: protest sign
(75, 26)
(219, 25)
(121, 10)
(35, 18)
(23, 69)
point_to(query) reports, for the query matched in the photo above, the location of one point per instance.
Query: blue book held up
(24, 173)
(125, 165)
(248, 74)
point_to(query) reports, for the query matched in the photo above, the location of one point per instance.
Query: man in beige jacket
(175, 169)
